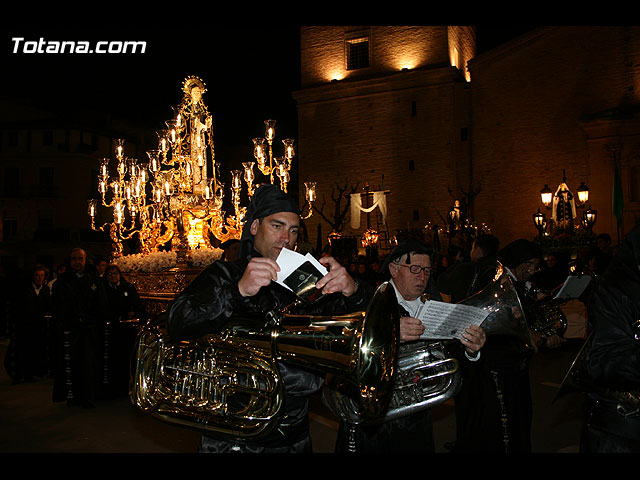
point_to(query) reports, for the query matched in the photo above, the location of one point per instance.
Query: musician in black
(613, 360)
(247, 286)
(409, 269)
(494, 408)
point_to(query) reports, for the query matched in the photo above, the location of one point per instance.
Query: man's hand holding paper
(448, 320)
(308, 277)
(337, 280)
(299, 273)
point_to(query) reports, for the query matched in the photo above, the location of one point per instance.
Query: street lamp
(589, 218)
(583, 193)
(546, 195)
(540, 222)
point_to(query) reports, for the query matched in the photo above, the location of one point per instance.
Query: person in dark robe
(125, 312)
(79, 314)
(31, 310)
(231, 249)
(247, 286)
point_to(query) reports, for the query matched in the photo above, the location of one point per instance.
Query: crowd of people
(75, 325)
(82, 319)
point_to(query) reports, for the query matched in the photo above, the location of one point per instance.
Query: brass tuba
(427, 373)
(229, 384)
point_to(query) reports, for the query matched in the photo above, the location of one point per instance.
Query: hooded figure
(245, 288)
(613, 359)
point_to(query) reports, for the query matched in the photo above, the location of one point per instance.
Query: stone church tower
(384, 108)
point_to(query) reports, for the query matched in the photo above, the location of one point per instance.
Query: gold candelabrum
(279, 167)
(177, 196)
(185, 195)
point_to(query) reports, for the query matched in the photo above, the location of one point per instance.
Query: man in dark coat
(247, 286)
(467, 278)
(125, 311)
(613, 360)
(30, 320)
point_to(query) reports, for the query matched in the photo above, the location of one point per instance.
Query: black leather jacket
(614, 313)
(207, 304)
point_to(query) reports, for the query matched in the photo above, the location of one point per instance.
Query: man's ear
(393, 270)
(254, 227)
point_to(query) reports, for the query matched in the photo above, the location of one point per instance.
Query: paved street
(31, 423)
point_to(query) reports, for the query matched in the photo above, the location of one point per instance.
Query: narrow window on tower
(357, 52)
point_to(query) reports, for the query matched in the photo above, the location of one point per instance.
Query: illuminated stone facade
(399, 124)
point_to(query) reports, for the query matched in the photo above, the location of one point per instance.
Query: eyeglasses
(532, 266)
(416, 269)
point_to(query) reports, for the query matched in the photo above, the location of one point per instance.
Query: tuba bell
(427, 374)
(229, 384)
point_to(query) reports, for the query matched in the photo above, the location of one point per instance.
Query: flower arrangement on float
(161, 261)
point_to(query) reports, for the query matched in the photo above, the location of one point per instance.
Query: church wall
(534, 104)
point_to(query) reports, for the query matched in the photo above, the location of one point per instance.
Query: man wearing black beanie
(247, 286)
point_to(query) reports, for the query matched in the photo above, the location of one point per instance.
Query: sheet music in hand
(448, 320)
(300, 273)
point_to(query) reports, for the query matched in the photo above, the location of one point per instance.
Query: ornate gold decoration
(177, 196)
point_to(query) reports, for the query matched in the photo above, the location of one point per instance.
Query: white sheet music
(573, 287)
(289, 261)
(448, 320)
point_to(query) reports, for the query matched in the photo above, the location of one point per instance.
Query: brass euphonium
(545, 316)
(427, 374)
(229, 384)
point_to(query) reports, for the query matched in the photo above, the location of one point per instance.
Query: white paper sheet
(289, 261)
(573, 287)
(448, 320)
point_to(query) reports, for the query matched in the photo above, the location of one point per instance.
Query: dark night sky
(250, 73)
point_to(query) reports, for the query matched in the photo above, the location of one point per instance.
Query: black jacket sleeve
(614, 314)
(207, 303)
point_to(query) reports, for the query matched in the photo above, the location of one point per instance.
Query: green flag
(618, 201)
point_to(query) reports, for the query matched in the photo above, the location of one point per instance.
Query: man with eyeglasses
(409, 266)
